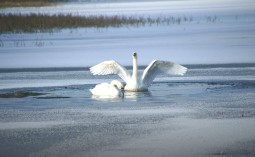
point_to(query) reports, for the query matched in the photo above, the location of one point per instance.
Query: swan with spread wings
(137, 82)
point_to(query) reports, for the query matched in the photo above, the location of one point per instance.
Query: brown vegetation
(28, 3)
(18, 23)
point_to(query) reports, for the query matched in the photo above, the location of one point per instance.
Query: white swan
(137, 82)
(114, 89)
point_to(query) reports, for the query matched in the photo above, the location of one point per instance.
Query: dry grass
(28, 3)
(18, 23)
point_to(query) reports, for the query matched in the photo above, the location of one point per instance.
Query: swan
(136, 82)
(114, 89)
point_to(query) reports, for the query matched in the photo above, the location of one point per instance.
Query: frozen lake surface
(208, 112)
(218, 32)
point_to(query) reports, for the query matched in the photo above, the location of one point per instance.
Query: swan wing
(110, 67)
(157, 66)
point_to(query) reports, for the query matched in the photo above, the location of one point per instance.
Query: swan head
(134, 55)
(117, 84)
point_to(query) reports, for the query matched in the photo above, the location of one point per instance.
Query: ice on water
(57, 116)
(220, 32)
(66, 119)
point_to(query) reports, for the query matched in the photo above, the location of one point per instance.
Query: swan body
(114, 89)
(136, 82)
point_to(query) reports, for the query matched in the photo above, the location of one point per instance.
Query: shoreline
(29, 3)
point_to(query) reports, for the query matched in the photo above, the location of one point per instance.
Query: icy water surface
(210, 111)
(203, 31)
(49, 112)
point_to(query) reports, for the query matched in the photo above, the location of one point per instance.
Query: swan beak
(134, 54)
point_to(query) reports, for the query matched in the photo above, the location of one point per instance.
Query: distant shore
(28, 3)
(33, 23)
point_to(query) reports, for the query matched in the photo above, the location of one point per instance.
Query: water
(70, 86)
(209, 111)
(47, 77)
(65, 120)
(219, 32)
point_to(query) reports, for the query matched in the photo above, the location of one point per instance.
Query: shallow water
(65, 120)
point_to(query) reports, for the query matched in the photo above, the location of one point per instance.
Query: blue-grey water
(50, 111)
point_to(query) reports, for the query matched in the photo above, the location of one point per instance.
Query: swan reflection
(136, 95)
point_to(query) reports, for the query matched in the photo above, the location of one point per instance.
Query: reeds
(18, 23)
(28, 3)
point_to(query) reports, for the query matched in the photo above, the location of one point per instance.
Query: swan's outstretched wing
(156, 67)
(110, 67)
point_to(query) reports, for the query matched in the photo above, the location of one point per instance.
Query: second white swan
(114, 89)
(136, 82)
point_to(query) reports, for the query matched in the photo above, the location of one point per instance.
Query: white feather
(133, 83)
(110, 67)
(156, 67)
(108, 90)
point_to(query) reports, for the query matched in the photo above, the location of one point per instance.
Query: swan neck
(135, 68)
